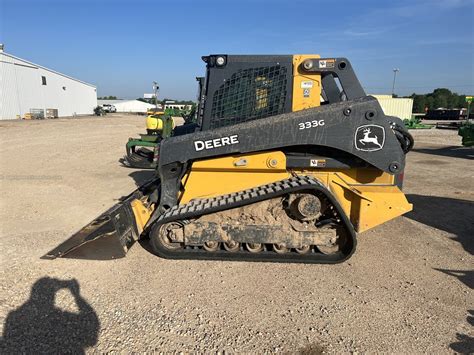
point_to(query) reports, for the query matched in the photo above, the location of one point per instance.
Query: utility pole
(395, 71)
(155, 89)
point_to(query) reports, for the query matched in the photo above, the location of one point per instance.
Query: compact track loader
(289, 159)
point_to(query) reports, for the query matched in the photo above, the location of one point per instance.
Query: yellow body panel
(379, 204)
(368, 196)
(367, 204)
(142, 214)
(219, 176)
(307, 87)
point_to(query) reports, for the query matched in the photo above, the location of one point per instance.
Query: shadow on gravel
(465, 276)
(451, 151)
(465, 343)
(38, 326)
(448, 214)
(142, 176)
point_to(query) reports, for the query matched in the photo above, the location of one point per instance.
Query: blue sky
(122, 46)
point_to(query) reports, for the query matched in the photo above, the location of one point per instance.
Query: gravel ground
(408, 288)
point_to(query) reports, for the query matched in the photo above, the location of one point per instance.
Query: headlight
(220, 61)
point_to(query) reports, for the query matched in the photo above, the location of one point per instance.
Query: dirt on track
(408, 287)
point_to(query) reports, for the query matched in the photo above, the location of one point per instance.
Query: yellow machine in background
(141, 151)
(155, 122)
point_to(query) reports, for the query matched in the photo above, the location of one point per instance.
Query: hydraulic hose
(404, 137)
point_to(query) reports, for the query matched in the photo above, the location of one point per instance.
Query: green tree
(440, 97)
(440, 101)
(462, 101)
(442, 92)
(429, 102)
(419, 103)
(452, 101)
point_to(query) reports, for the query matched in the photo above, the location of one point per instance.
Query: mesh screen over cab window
(250, 94)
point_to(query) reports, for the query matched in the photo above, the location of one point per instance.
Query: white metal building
(130, 106)
(30, 90)
(400, 107)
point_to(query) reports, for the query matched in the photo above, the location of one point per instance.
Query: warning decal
(327, 63)
(307, 84)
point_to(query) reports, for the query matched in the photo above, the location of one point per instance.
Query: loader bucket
(110, 235)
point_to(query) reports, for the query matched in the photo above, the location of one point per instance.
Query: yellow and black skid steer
(287, 161)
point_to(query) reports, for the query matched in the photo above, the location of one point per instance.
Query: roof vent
(1, 47)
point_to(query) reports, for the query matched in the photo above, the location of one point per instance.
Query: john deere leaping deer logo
(369, 138)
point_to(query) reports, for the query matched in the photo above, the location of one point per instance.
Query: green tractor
(141, 151)
(466, 131)
(415, 123)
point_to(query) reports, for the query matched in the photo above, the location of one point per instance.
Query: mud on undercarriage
(290, 220)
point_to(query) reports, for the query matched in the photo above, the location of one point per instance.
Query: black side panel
(246, 88)
(358, 127)
(338, 130)
(331, 68)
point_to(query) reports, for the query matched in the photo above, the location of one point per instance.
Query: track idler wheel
(211, 246)
(306, 207)
(254, 247)
(303, 250)
(280, 248)
(169, 235)
(232, 246)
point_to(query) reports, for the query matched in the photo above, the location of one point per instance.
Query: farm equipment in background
(447, 118)
(415, 123)
(446, 114)
(449, 125)
(99, 111)
(466, 131)
(141, 151)
(154, 111)
(288, 160)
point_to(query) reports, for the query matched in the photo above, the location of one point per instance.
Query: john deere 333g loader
(289, 159)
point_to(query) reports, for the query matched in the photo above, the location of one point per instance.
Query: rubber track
(200, 207)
